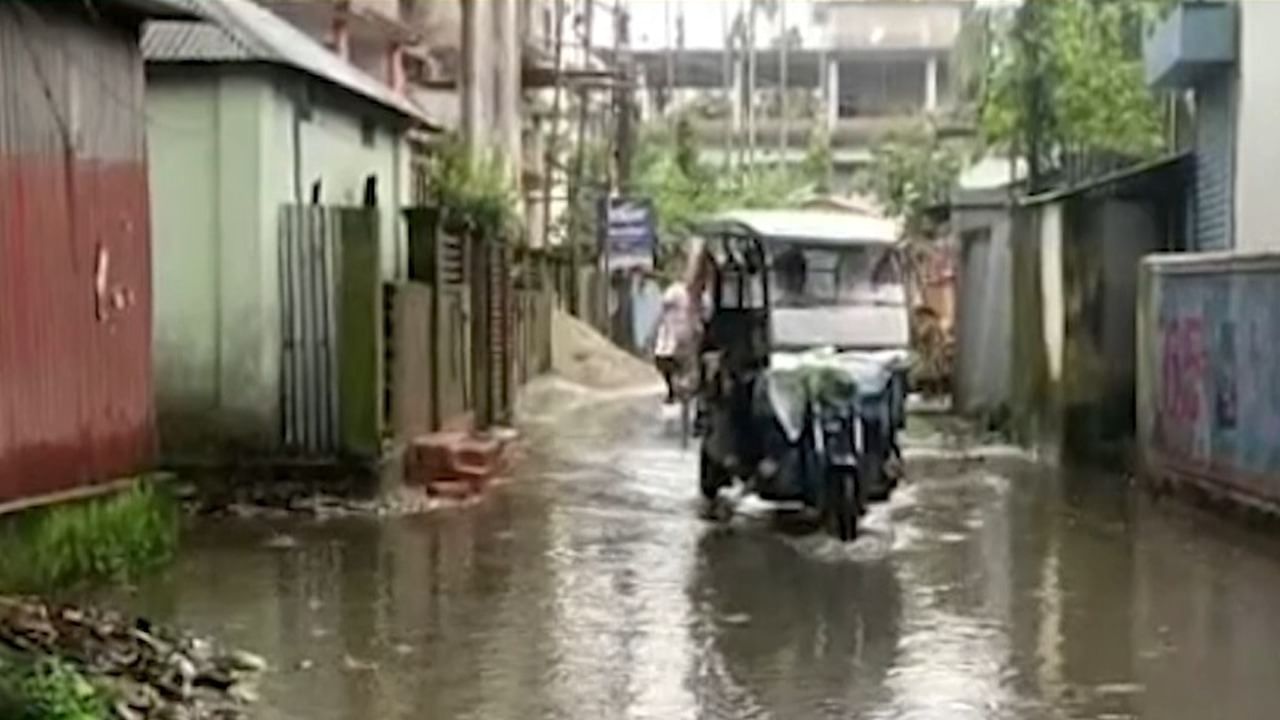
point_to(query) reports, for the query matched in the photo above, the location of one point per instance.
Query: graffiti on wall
(1182, 363)
(1213, 360)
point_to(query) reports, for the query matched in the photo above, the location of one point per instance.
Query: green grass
(48, 689)
(115, 538)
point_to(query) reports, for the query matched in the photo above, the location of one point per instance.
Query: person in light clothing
(674, 336)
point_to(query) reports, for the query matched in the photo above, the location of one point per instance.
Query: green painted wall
(360, 335)
(227, 149)
(215, 320)
(336, 152)
(182, 133)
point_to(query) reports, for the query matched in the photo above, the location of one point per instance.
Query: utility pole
(575, 185)
(784, 50)
(623, 96)
(552, 157)
(751, 83)
(679, 49)
(669, 58)
(472, 103)
(726, 77)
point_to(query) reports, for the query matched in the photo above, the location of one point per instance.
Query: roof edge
(157, 9)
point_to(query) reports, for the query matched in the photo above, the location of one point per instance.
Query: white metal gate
(309, 261)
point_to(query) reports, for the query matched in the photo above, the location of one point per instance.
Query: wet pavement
(590, 587)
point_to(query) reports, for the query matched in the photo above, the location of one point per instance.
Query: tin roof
(241, 31)
(819, 227)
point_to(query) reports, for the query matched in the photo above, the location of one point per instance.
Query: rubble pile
(149, 673)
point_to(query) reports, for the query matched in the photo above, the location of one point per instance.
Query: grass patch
(115, 538)
(48, 689)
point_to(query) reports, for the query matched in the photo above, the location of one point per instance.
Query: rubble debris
(148, 672)
(319, 505)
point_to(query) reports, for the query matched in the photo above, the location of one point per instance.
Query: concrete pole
(931, 84)
(833, 93)
(508, 52)
(471, 88)
(670, 54)
(553, 136)
(729, 79)
(737, 80)
(783, 101)
(751, 83)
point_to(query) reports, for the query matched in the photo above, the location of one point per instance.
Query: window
(814, 277)
(368, 132)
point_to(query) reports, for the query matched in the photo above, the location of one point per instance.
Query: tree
(1066, 78)
(818, 159)
(685, 191)
(912, 172)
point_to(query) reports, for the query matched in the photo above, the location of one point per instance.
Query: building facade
(853, 70)
(1221, 54)
(1209, 398)
(248, 116)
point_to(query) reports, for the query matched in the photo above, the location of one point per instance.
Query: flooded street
(589, 587)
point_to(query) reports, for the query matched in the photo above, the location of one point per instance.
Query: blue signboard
(630, 234)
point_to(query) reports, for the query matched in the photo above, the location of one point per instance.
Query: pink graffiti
(1183, 369)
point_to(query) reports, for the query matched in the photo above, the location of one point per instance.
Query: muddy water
(590, 588)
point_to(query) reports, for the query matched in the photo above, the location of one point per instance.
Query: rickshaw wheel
(841, 504)
(876, 481)
(711, 476)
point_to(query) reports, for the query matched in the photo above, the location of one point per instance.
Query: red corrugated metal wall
(75, 265)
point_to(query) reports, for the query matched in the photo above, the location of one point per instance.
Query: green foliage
(818, 159)
(473, 190)
(114, 538)
(1067, 74)
(911, 172)
(48, 689)
(685, 191)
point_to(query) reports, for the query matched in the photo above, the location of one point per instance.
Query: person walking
(673, 336)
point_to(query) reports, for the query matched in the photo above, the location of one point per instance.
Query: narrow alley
(590, 587)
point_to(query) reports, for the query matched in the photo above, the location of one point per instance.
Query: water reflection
(589, 588)
(807, 638)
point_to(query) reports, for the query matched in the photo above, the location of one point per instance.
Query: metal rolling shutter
(1215, 151)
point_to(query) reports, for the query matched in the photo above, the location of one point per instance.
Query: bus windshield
(824, 276)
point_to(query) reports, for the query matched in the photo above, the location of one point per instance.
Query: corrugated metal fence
(310, 244)
(75, 265)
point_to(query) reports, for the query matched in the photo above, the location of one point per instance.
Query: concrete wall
(1105, 244)
(1257, 142)
(984, 323)
(1075, 265)
(225, 155)
(1209, 393)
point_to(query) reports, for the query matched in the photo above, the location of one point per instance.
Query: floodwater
(590, 587)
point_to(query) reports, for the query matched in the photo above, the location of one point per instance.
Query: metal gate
(309, 262)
